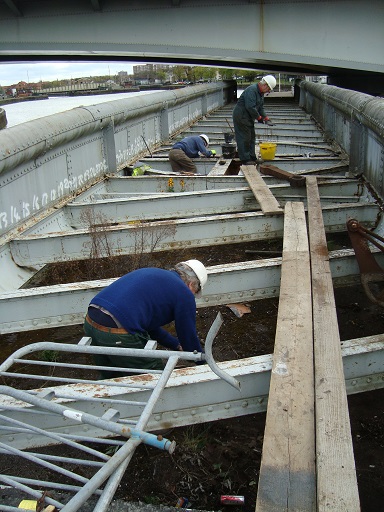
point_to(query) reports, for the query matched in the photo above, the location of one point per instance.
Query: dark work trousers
(112, 338)
(181, 162)
(245, 134)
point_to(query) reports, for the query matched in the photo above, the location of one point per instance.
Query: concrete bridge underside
(343, 38)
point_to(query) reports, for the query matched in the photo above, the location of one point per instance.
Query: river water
(24, 111)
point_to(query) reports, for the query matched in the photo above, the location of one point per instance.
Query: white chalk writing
(64, 188)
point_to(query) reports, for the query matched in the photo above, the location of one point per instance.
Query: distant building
(317, 79)
(147, 73)
(20, 90)
(123, 77)
(150, 68)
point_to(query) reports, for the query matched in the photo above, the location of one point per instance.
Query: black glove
(268, 121)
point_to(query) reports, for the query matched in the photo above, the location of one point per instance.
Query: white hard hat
(270, 80)
(205, 137)
(200, 271)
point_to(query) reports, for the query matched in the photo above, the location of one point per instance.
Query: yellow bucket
(268, 150)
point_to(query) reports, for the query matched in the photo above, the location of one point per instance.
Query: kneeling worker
(190, 147)
(135, 307)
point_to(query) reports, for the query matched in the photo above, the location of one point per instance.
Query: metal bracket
(371, 273)
(295, 180)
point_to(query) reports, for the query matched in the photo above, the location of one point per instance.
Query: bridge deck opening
(213, 446)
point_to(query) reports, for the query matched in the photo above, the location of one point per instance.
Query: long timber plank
(287, 479)
(336, 475)
(264, 196)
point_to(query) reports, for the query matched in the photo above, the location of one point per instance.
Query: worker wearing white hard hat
(200, 272)
(182, 152)
(137, 306)
(270, 80)
(248, 110)
(205, 138)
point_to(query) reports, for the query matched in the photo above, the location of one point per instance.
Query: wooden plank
(336, 475)
(287, 479)
(267, 201)
(220, 167)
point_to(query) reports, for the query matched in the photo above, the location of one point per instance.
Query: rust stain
(165, 424)
(184, 371)
(322, 251)
(145, 377)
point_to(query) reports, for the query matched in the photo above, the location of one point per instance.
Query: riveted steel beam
(61, 305)
(130, 187)
(193, 395)
(291, 164)
(294, 132)
(120, 207)
(282, 135)
(174, 234)
(13, 276)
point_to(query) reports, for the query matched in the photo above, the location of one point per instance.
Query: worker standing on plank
(135, 307)
(190, 147)
(250, 108)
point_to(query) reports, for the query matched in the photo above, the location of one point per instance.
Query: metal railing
(97, 467)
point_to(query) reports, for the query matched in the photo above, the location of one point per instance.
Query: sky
(50, 71)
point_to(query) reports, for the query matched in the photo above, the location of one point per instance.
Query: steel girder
(120, 207)
(193, 394)
(61, 305)
(32, 250)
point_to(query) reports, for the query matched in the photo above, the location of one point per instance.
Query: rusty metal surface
(273, 170)
(371, 274)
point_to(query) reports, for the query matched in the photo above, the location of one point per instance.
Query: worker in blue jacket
(135, 307)
(249, 109)
(190, 147)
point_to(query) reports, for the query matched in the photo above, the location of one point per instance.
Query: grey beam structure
(130, 187)
(57, 220)
(294, 133)
(195, 394)
(283, 135)
(32, 250)
(291, 164)
(61, 305)
(54, 30)
(13, 7)
(122, 207)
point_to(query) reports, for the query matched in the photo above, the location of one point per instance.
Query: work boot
(251, 162)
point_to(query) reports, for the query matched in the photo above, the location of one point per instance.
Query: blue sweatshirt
(149, 298)
(192, 146)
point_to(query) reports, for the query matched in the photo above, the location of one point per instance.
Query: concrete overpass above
(343, 38)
